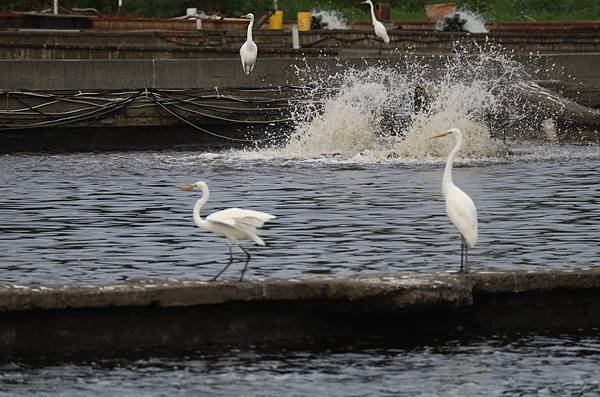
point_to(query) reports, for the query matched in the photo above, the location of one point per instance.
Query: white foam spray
(474, 23)
(332, 19)
(371, 113)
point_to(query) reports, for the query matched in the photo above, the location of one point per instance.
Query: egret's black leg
(466, 256)
(462, 249)
(247, 261)
(226, 266)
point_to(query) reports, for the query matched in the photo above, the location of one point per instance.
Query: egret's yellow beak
(187, 187)
(440, 135)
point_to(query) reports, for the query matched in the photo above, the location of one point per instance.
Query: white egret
(379, 28)
(233, 223)
(249, 50)
(459, 206)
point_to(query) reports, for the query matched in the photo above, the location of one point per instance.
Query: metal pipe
(295, 38)
(55, 7)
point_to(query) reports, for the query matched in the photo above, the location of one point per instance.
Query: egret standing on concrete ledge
(379, 28)
(233, 223)
(459, 206)
(248, 51)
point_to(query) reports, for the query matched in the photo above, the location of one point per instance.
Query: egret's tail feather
(471, 238)
(258, 240)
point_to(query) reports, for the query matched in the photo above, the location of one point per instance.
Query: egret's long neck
(249, 34)
(372, 13)
(198, 206)
(447, 179)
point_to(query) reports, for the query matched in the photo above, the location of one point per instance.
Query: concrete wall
(127, 74)
(173, 315)
(278, 43)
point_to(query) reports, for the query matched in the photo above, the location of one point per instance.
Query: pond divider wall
(116, 74)
(119, 123)
(173, 314)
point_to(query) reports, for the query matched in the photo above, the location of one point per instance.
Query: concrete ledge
(170, 314)
(393, 291)
(222, 43)
(539, 280)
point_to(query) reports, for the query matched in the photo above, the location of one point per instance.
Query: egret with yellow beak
(234, 224)
(248, 50)
(459, 206)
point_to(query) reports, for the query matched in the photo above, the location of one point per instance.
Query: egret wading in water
(378, 26)
(248, 51)
(459, 206)
(233, 223)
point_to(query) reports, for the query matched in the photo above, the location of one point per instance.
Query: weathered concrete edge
(534, 280)
(398, 291)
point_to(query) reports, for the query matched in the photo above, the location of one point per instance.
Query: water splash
(370, 112)
(347, 121)
(475, 22)
(331, 19)
(470, 21)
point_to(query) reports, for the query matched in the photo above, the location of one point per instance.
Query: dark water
(104, 217)
(497, 365)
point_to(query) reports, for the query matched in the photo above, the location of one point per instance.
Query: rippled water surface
(529, 365)
(104, 217)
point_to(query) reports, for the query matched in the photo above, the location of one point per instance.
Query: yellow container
(276, 20)
(304, 20)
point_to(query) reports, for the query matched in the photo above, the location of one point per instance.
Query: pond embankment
(95, 88)
(174, 314)
(50, 105)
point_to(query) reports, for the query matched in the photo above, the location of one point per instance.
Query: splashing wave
(371, 112)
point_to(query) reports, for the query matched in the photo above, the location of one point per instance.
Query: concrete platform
(168, 314)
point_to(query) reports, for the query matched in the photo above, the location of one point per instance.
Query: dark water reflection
(103, 217)
(527, 365)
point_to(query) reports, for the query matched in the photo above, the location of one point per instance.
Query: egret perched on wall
(459, 206)
(234, 224)
(378, 26)
(249, 50)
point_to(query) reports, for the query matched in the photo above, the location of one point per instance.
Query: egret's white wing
(463, 213)
(380, 31)
(228, 222)
(235, 216)
(241, 221)
(238, 225)
(248, 53)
